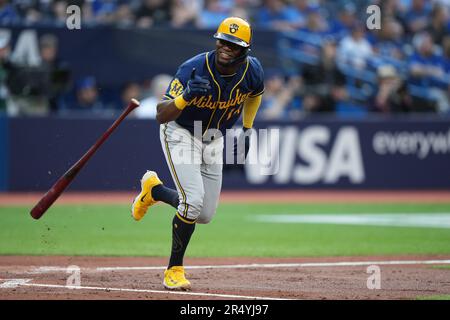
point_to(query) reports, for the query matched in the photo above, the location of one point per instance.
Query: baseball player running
(206, 97)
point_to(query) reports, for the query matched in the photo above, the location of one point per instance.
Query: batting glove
(196, 86)
(242, 145)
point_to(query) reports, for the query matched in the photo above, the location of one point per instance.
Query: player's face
(227, 51)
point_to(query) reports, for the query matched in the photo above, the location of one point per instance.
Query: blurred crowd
(47, 86)
(317, 16)
(124, 13)
(333, 62)
(329, 60)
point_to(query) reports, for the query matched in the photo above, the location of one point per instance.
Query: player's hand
(196, 86)
(242, 145)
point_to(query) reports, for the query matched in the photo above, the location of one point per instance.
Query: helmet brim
(233, 39)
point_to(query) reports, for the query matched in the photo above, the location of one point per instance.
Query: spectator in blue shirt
(345, 20)
(427, 71)
(213, 13)
(439, 25)
(446, 63)
(354, 49)
(104, 11)
(417, 17)
(8, 14)
(276, 15)
(316, 23)
(279, 99)
(392, 8)
(87, 98)
(300, 9)
(446, 51)
(424, 64)
(388, 40)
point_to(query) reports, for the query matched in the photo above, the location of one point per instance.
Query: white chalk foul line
(416, 220)
(13, 283)
(203, 294)
(288, 265)
(10, 283)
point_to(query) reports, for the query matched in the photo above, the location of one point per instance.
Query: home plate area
(404, 277)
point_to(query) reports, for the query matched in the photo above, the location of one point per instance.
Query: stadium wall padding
(4, 153)
(311, 154)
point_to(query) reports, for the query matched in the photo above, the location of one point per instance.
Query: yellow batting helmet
(235, 30)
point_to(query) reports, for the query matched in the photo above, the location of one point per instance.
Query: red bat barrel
(61, 184)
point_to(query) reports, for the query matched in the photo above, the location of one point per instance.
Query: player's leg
(166, 195)
(152, 191)
(183, 156)
(211, 170)
(212, 182)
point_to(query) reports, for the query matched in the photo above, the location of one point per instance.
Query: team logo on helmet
(234, 28)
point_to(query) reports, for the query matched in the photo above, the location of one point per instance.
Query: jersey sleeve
(258, 84)
(178, 83)
(251, 106)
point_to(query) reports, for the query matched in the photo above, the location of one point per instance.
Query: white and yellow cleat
(144, 199)
(174, 279)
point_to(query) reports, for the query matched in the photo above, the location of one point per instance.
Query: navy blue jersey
(222, 106)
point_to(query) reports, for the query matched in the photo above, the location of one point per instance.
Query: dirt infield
(404, 277)
(263, 196)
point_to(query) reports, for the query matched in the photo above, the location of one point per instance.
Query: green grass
(442, 267)
(435, 297)
(109, 230)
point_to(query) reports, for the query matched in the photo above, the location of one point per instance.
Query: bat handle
(131, 106)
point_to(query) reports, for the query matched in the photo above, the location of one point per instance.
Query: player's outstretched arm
(166, 111)
(251, 106)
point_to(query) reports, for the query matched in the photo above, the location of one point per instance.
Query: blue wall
(138, 54)
(4, 153)
(314, 154)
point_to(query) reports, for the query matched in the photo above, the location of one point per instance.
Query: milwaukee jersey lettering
(222, 106)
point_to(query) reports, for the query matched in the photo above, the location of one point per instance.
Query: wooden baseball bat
(60, 185)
